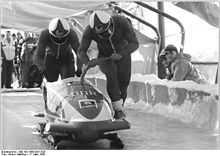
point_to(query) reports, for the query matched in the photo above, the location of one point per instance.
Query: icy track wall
(185, 101)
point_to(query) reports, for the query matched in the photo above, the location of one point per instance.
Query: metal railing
(139, 20)
(204, 63)
(169, 17)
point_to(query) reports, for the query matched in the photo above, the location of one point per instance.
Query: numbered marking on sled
(87, 103)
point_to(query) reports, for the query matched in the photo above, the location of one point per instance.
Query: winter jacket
(182, 69)
(8, 47)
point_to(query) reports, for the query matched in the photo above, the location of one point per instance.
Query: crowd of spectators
(14, 51)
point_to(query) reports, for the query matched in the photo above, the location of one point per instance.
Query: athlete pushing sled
(54, 54)
(72, 111)
(116, 40)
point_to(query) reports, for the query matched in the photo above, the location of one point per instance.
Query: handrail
(204, 63)
(76, 23)
(138, 19)
(169, 17)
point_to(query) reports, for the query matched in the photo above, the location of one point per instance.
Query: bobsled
(79, 112)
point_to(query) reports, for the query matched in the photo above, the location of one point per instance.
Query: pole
(161, 26)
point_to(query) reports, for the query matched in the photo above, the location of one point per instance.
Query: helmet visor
(99, 26)
(59, 32)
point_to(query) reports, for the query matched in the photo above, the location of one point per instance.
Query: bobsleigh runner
(78, 112)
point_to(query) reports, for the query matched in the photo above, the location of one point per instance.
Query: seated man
(162, 59)
(180, 66)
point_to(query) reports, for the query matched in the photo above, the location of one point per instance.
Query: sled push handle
(92, 63)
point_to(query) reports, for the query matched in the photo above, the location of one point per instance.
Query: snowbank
(154, 80)
(184, 100)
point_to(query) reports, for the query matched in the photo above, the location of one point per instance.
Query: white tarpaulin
(34, 15)
(205, 10)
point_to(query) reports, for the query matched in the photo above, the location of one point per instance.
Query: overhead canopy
(205, 10)
(35, 15)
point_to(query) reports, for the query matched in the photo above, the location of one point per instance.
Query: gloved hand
(116, 56)
(84, 70)
(78, 73)
(85, 67)
(92, 63)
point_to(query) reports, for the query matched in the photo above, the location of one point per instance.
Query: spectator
(27, 52)
(2, 36)
(1, 63)
(180, 66)
(17, 60)
(14, 37)
(166, 65)
(8, 46)
(20, 42)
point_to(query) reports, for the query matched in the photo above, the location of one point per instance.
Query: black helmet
(100, 21)
(59, 28)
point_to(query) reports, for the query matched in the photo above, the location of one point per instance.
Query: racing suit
(123, 41)
(56, 57)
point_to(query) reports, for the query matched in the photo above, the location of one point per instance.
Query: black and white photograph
(109, 75)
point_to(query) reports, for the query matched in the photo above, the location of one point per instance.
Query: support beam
(161, 26)
(169, 17)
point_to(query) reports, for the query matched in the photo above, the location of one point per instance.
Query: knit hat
(168, 49)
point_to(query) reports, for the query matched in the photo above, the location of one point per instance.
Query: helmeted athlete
(54, 54)
(115, 40)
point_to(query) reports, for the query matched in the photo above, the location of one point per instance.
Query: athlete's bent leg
(67, 68)
(124, 75)
(109, 68)
(52, 68)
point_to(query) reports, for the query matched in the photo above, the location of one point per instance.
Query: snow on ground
(154, 80)
(201, 112)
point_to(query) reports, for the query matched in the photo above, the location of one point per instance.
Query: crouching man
(179, 66)
(115, 40)
(54, 55)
